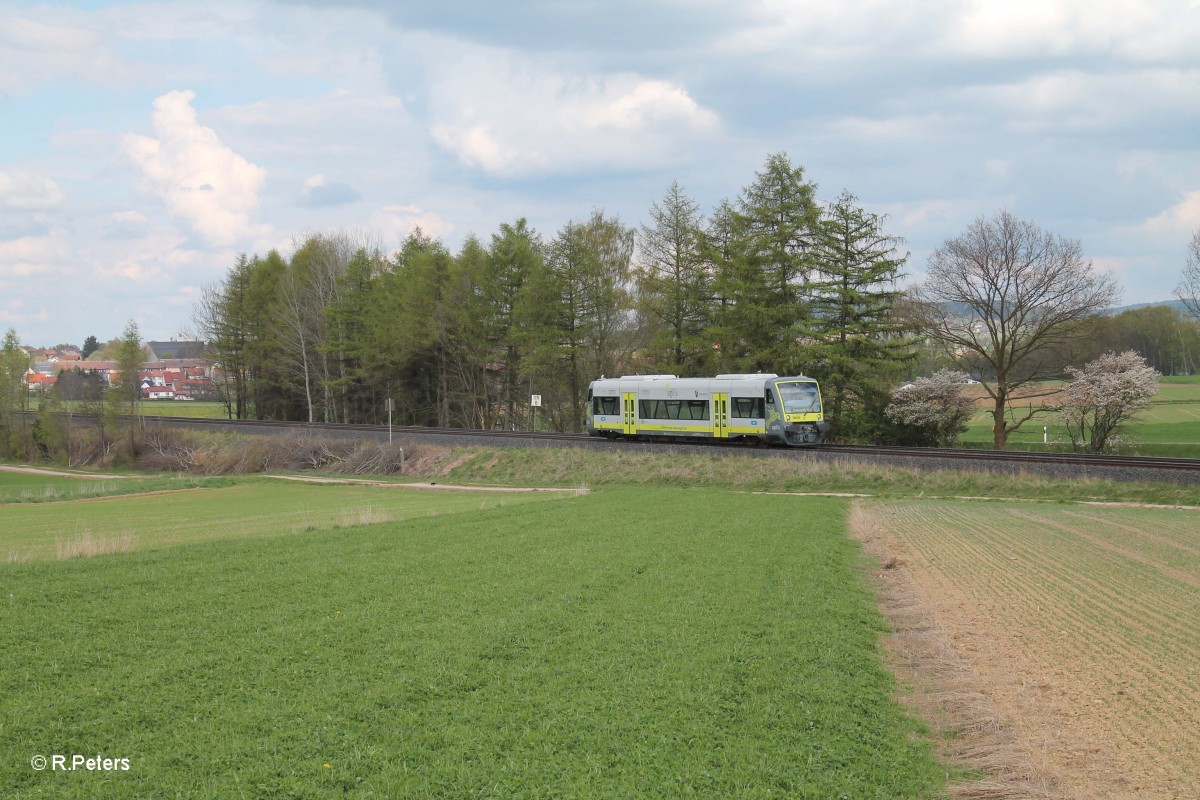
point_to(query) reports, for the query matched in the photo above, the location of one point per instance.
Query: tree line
(772, 281)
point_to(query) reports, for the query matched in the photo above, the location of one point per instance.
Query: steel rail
(943, 454)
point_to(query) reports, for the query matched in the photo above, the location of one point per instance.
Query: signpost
(535, 402)
(391, 406)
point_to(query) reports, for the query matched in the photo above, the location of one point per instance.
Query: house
(179, 349)
(39, 381)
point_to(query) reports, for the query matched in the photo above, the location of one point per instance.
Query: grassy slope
(632, 643)
(732, 469)
(18, 487)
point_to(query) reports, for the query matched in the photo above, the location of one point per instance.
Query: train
(762, 407)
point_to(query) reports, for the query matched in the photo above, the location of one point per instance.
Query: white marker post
(535, 402)
(391, 406)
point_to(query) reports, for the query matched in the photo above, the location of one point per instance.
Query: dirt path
(431, 486)
(60, 474)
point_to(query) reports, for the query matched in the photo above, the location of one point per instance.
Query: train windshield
(800, 397)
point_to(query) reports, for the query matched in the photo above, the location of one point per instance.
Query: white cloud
(1075, 100)
(126, 225)
(41, 45)
(27, 192)
(200, 179)
(515, 118)
(890, 130)
(1135, 29)
(29, 255)
(1184, 216)
(153, 259)
(12, 315)
(318, 191)
(398, 221)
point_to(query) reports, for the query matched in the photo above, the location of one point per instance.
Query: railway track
(1129, 468)
(1059, 465)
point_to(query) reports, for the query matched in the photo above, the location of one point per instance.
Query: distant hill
(1175, 304)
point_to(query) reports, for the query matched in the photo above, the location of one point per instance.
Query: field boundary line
(432, 486)
(57, 473)
(108, 497)
(986, 498)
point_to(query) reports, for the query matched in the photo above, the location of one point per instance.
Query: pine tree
(763, 269)
(674, 283)
(855, 339)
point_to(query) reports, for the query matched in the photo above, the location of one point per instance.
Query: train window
(748, 407)
(652, 409)
(800, 397)
(606, 405)
(673, 409)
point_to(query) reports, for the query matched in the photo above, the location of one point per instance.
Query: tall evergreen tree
(273, 395)
(223, 318)
(674, 284)
(515, 255)
(856, 341)
(584, 330)
(347, 318)
(763, 272)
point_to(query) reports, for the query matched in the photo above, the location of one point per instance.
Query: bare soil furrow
(1086, 642)
(1119, 631)
(1163, 609)
(1180, 575)
(1186, 536)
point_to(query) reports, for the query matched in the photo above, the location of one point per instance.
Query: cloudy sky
(143, 145)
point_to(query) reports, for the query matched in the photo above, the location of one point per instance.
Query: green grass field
(226, 509)
(165, 408)
(18, 487)
(1170, 427)
(184, 408)
(636, 642)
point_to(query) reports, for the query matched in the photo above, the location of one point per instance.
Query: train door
(720, 404)
(629, 412)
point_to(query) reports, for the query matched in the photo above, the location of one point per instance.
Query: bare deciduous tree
(1104, 395)
(1002, 300)
(1188, 289)
(936, 405)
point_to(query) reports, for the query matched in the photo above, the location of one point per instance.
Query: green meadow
(203, 409)
(1170, 427)
(633, 642)
(212, 510)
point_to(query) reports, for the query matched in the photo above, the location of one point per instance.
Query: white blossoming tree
(1103, 396)
(936, 407)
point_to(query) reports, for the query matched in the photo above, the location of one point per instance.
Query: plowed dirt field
(1070, 633)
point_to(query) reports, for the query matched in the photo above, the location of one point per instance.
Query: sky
(144, 145)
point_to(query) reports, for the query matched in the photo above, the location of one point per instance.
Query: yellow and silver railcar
(762, 406)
